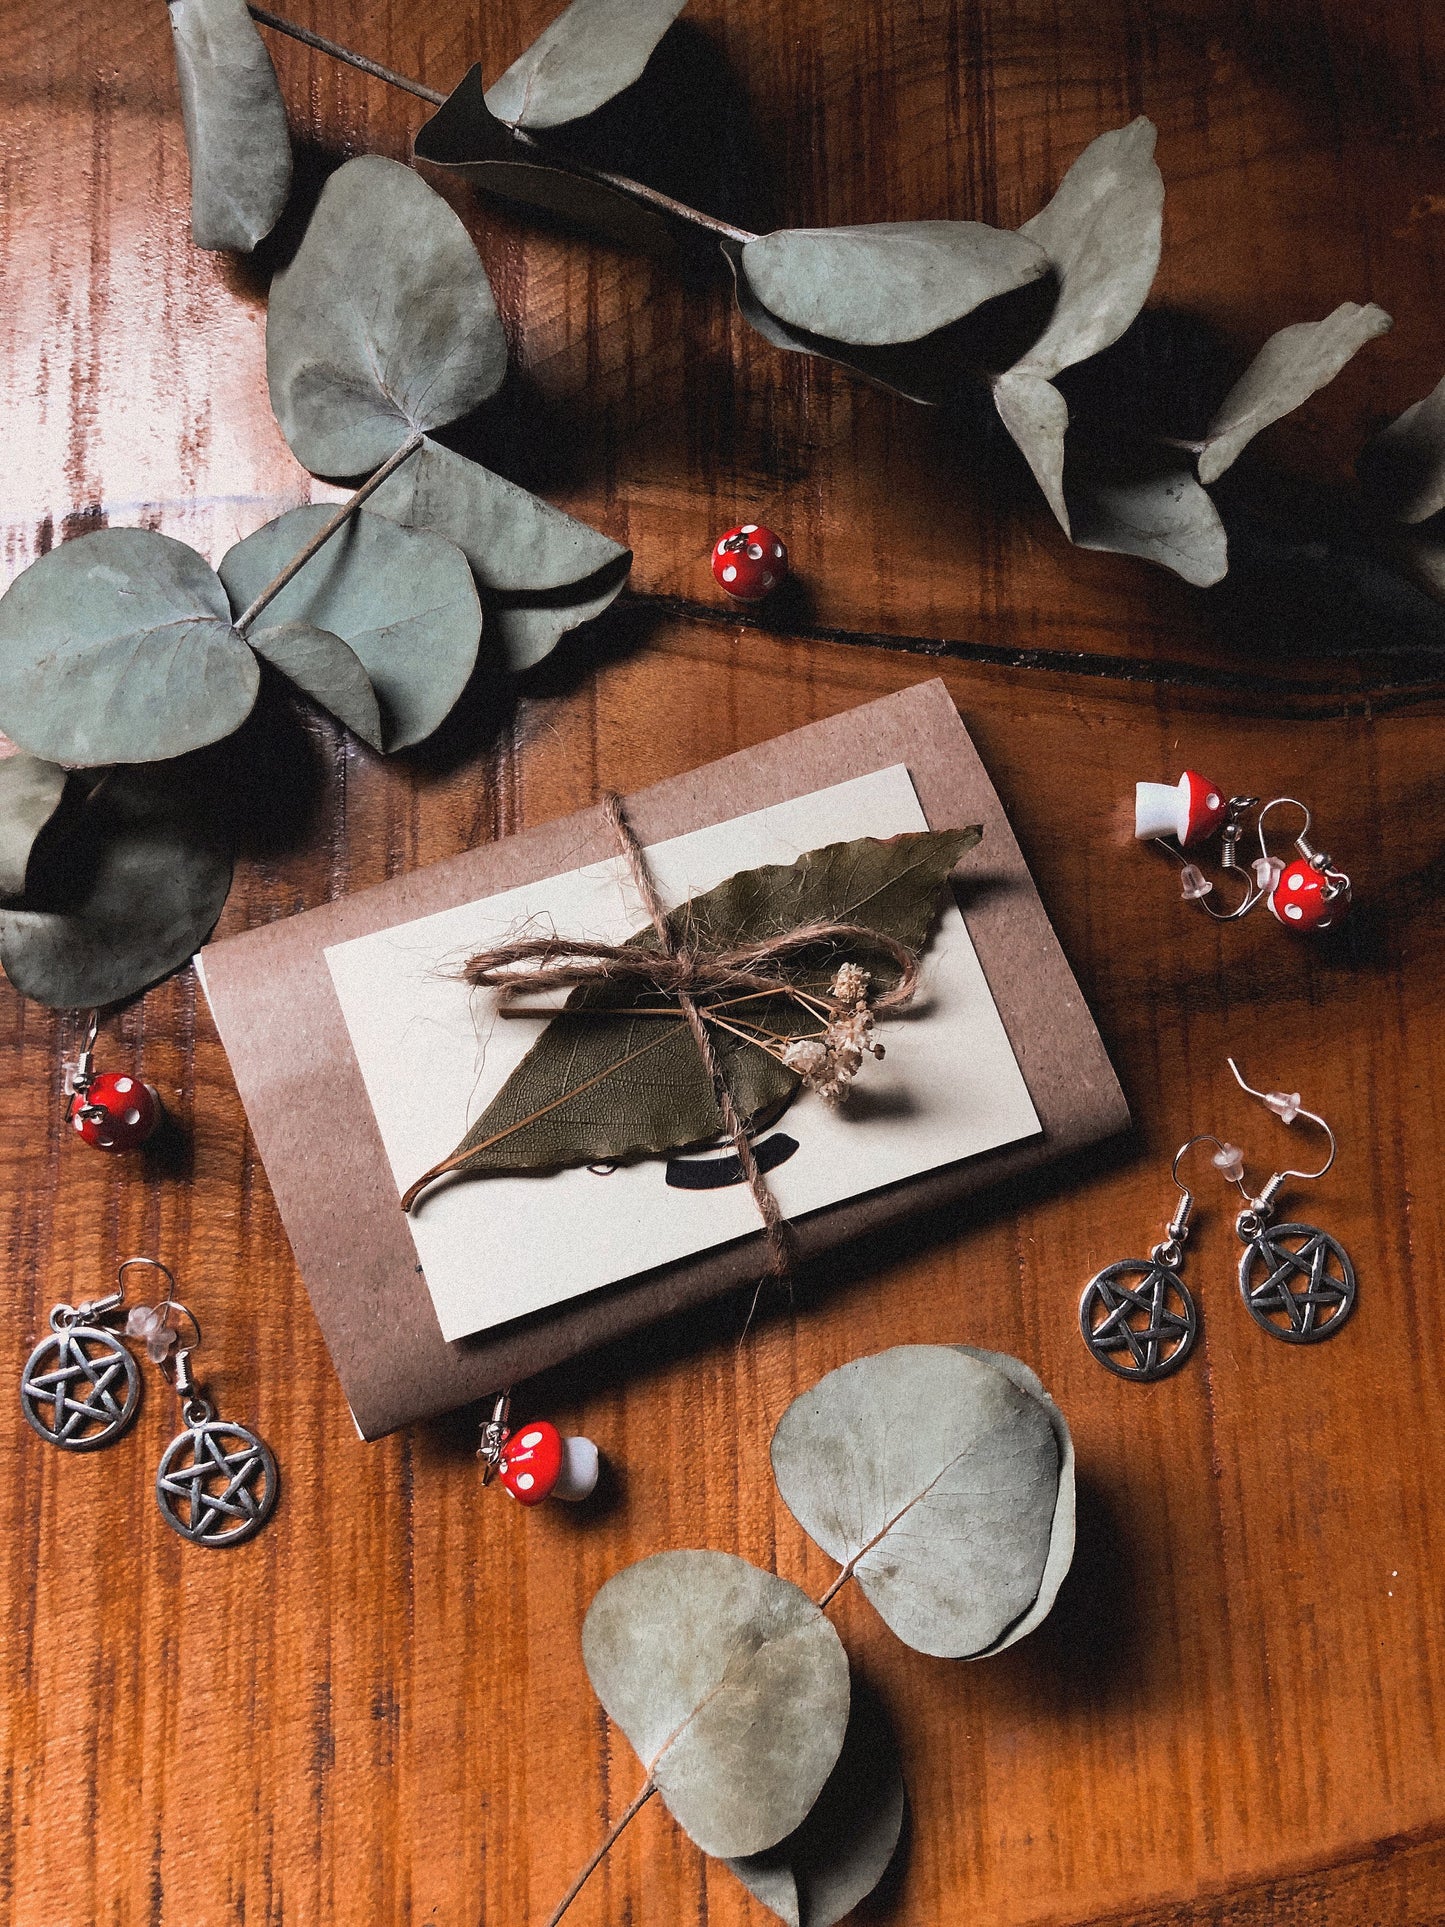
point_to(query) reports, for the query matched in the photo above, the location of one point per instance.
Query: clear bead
(1193, 882)
(1285, 1104)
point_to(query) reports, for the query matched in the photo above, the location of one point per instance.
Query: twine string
(683, 970)
(775, 1231)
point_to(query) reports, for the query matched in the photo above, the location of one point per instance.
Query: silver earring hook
(1287, 1107)
(1335, 880)
(155, 1265)
(1277, 802)
(1197, 886)
(1171, 1251)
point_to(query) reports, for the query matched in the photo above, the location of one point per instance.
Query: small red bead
(1300, 902)
(131, 1110)
(531, 1460)
(749, 562)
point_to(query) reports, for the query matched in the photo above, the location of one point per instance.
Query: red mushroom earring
(112, 1111)
(1179, 817)
(1308, 893)
(536, 1462)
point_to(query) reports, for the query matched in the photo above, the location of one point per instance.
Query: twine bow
(689, 972)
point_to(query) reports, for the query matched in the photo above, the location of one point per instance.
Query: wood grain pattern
(377, 1711)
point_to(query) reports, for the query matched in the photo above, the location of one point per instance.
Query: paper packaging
(277, 1011)
(434, 1053)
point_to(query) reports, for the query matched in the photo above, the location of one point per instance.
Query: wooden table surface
(377, 1711)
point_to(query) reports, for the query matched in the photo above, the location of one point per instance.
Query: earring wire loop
(1203, 1137)
(1239, 806)
(155, 1265)
(1307, 1177)
(170, 1302)
(1274, 803)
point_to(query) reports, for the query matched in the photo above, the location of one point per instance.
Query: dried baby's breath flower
(828, 1064)
(850, 986)
(807, 1056)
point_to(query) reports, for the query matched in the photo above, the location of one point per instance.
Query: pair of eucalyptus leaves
(930, 309)
(124, 655)
(941, 1479)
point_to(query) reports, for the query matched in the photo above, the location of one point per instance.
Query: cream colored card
(433, 1054)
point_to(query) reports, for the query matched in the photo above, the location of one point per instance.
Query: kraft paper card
(353, 1009)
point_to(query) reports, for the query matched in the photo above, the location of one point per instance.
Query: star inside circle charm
(80, 1388)
(1297, 1282)
(216, 1483)
(1142, 1330)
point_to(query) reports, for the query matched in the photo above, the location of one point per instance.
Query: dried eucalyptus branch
(887, 300)
(959, 1528)
(126, 647)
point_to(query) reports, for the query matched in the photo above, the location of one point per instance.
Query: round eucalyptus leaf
(889, 282)
(1288, 369)
(526, 633)
(731, 1685)
(235, 122)
(1402, 471)
(591, 51)
(514, 540)
(847, 1843)
(1061, 1532)
(402, 599)
(327, 669)
(30, 793)
(382, 325)
(1102, 232)
(118, 897)
(933, 1478)
(1166, 518)
(118, 648)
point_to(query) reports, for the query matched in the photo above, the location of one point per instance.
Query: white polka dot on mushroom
(730, 573)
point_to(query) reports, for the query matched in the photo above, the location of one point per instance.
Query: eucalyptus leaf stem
(636, 191)
(324, 534)
(338, 52)
(837, 1586)
(649, 1787)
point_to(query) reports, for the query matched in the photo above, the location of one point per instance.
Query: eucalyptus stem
(637, 191)
(324, 534)
(837, 1586)
(338, 52)
(649, 1787)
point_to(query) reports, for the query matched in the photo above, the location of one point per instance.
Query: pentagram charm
(1298, 1282)
(216, 1482)
(80, 1388)
(1141, 1331)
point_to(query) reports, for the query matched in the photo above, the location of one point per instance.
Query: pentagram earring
(80, 1387)
(1138, 1316)
(216, 1483)
(1297, 1282)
